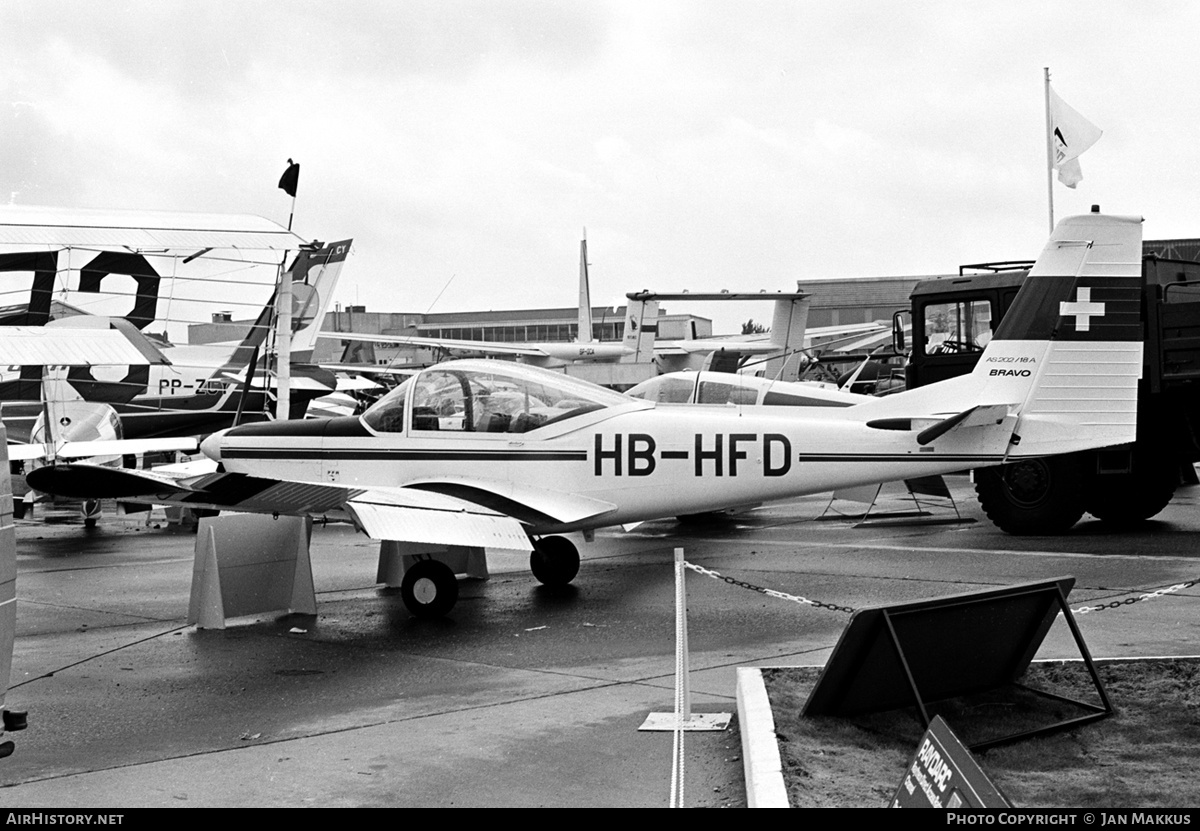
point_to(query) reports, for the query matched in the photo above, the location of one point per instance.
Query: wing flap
(465, 525)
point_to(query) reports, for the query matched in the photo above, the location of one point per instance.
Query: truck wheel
(1130, 498)
(1035, 496)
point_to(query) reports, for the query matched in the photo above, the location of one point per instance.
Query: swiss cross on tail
(1082, 309)
(1100, 307)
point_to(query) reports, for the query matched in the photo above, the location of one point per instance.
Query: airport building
(506, 326)
(835, 302)
(857, 299)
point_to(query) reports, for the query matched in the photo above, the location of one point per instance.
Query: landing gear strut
(91, 512)
(429, 589)
(554, 561)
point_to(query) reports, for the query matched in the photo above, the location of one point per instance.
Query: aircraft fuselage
(647, 461)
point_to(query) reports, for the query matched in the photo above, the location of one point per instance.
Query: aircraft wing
(117, 447)
(367, 369)
(492, 347)
(141, 230)
(860, 338)
(744, 347)
(421, 515)
(36, 345)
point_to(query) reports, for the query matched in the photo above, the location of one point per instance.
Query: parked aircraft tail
(585, 334)
(641, 328)
(788, 327)
(1060, 373)
(314, 277)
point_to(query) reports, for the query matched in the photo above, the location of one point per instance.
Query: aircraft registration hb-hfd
(496, 454)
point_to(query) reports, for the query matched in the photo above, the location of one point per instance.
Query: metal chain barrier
(708, 572)
(1083, 610)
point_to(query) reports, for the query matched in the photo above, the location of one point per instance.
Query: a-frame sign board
(911, 654)
(944, 774)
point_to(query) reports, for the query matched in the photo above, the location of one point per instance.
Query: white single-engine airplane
(497, 454)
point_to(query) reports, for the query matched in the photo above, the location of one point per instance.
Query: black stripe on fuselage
(285, 454)
(291, 454)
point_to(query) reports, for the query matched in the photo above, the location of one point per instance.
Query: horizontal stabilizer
(942, 427)
(981, 416)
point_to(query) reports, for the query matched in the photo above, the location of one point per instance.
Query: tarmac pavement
(523, 696)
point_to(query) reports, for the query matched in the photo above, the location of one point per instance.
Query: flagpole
(1049, 154)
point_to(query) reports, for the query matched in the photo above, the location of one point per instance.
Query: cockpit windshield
(487, 397)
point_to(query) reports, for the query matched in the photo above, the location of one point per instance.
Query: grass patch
(1145, 756)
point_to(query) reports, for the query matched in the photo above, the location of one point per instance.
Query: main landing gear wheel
(429, 589)
(554, 561)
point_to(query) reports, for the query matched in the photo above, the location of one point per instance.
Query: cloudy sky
(704, 145)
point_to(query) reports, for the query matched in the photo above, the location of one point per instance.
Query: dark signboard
(943, 774)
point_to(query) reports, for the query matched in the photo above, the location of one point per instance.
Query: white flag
(1071, 134)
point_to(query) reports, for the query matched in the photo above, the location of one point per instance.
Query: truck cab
(953, 319)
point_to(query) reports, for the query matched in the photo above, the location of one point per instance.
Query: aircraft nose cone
(211, 446)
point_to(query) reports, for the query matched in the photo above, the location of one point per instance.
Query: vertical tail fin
(1061, 372)
(314, 275)
(1082, 304)
(641, 328)
(788, 326)
(585, 295)
(314, 278)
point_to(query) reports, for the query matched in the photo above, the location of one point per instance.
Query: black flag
(290, 178)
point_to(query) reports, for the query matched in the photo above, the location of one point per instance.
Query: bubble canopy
(484, 396)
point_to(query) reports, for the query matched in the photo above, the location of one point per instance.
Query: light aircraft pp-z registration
(490, 454)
